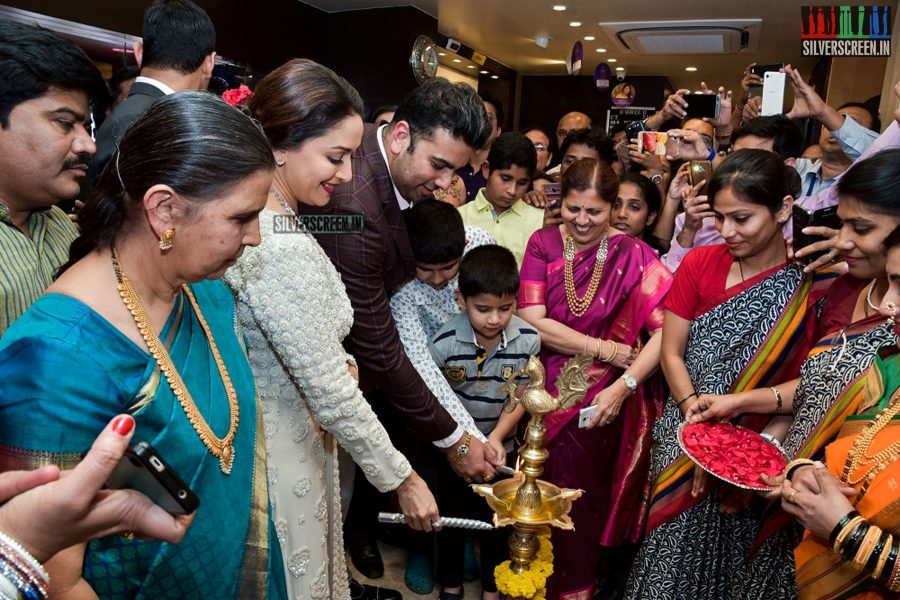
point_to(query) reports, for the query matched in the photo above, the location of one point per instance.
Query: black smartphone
(553, 192)
(143, 469)
(824, 217)
(761, 70)
(702, 105)
(633, 128)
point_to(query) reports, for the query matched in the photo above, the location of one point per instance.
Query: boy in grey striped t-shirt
(477, 351)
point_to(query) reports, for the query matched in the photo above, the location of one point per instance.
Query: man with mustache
(48, 88)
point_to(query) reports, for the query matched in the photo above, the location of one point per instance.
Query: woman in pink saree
(589, 289)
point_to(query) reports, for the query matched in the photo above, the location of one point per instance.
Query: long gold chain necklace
(858, 456)
(579, 306)
(221, 448)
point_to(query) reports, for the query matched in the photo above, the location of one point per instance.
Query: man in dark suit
(435, 130)
(175, 54)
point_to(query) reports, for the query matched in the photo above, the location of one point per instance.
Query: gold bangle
(866, 547)
(778, 399)
(882, 558)
(893, 583)
(797, 462)
(613, 353)
(586, 338)
(599, 349)
(848, 528)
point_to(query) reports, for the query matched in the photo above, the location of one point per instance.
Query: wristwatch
(462, 450)
(630, 382)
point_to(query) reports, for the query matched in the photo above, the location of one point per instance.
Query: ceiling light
(575, 24)
(470, 66)
(495, 77)
(610, 60)
(559, 7)
(620, 68)
(589, 38)
(691, 69)
(442, 54)
(601, 50)
(542, 40)
(456, 60)
(483, 72)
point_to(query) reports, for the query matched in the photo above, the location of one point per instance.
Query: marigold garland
(532, 582)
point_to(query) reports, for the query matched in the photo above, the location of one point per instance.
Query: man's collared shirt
(475, 373)
(28, 264)
(155, 83)
(512, 228)
(401, 201)
(473, 179)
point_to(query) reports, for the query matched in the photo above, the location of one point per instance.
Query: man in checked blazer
(435, 130)
(176, 54)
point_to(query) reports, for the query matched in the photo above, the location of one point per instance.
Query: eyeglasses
(539, 147)
(565, 132)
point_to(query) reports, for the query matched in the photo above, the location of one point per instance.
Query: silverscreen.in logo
(845, 30)
(319, 224)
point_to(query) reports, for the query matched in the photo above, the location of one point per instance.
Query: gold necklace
(221, 448)
(858, 456)
(579, 306)
(869, 303)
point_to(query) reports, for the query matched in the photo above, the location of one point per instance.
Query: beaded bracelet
(893, 582)
(851, 526)
(22, 562)
(841, 524)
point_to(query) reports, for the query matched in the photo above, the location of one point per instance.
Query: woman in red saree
(739, 320)
(850, 508)
(589, 289)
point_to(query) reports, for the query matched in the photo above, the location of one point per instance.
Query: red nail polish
(123, 424)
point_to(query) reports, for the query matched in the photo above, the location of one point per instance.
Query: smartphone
(702, 105)
(553, 192)
(652, 142)
(772, 94)
(633, 128)
(143, 469)
(700, 170)
(586, 414)
(756, 90)
(824, 217)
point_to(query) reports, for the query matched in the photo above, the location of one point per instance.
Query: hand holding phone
(586, 414)
(700, 171)
(144, 470)
(772, 94)
(825, 217)
(653, 142)
(756, 74)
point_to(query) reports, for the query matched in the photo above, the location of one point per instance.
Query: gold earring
(165, 240)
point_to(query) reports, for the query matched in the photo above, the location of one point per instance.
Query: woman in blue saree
(173, 210)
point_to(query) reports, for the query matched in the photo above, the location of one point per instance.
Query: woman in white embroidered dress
(295, 313)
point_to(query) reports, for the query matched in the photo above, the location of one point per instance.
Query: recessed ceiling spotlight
(470, 66)
(559, 7)
(456, 60)
(620, 68)
(691, 69)
(495, 77)
(589, 38)
(611, 60)
(575, 24)
(601, 50)
(442, 54)
(483, 72)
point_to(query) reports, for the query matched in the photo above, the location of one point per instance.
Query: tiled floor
(394, 569)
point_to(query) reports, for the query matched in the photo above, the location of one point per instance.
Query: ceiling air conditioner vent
(686, 37)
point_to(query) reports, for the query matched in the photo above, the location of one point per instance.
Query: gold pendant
(227, 459)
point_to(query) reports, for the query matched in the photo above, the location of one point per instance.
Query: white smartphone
(773, 94)
(586, 414)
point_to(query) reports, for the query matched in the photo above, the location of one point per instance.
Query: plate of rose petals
(734, 454)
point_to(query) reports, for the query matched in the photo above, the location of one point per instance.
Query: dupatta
(820, 574)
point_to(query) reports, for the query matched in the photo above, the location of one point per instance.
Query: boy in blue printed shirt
(477, 351)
